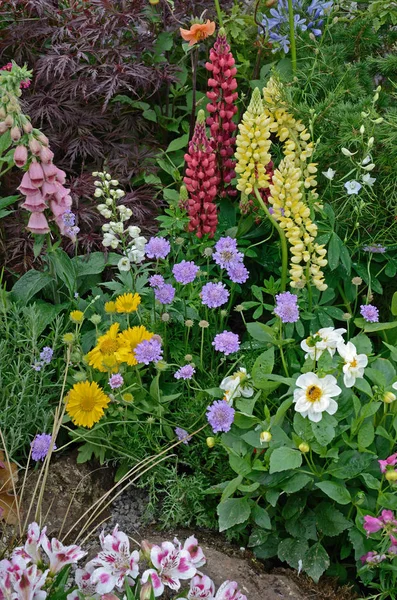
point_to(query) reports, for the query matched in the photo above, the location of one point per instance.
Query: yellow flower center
(87, 403)
(313, 393)
(353, 363)
(109, 346)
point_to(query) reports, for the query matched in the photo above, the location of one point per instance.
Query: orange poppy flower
(198, 32)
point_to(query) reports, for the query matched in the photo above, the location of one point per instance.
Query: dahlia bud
(265, 437)
(210, 442)
(304, 447)
(391, 476)
(388, 397)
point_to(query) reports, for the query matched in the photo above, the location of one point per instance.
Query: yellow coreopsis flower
(104, 356)
(110, 307)
(128, 341)
(253, 144)
(127, 303)
(85, 403)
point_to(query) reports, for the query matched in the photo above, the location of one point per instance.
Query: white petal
(332, 407)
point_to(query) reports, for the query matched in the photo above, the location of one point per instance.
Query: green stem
(283, 240)
(218, 12)
(292, 35)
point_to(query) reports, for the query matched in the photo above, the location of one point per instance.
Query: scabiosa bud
(201, 182)
(222, 108)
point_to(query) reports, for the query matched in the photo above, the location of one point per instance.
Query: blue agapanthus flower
(307, 17)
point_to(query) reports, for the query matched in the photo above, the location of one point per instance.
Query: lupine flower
(226, 342)
(115, 559)
(287, 307)
(40, 446)
(46, 354)
(226, 252)
(116, 381)
(222, 109)
(182, 434)
(375, 249)
(237, 272)
(156, 281)
(198, 32)
(185, 271)
(314, 395)
(185, 372)
(201, 181)
(157, 247)
(148, 351)
(352, 187)
(220, 415)
(370, 313)
(214, 295)
(165, 294)
(171, 564)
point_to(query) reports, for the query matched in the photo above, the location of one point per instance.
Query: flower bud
(364, 115)
(34, 146)
(224, 313)
(145, 549)
(27, 127)
(3, 127)
(165, 317)
(208, 252)
(362, 129)
(347, 152)
(80, 376)
(378, 120)
(96, 319)
(161, 365)
(239, 308)
(265, 437)
(20, 156)
(188, 358)
(357, 281)
(388, 397)
(210, 442)
(359, 499)
(128, 397)
(68, 338)
(335, 20)
(391, 476)
(9, 120)
(15, 134)
(304, 447)
(204, 324)
(369, 167)
(189, 323)
(146, 589)
(43, 139)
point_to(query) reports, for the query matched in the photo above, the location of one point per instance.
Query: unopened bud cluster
(116, 233)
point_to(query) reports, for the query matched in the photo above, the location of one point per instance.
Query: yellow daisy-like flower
(77, 316)
(128, 340)
(104, 356)
(110, 307)
(127, 303)
(85, 403)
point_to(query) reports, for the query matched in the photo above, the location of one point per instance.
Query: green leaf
(150, 115)
(388, 500)
(264, 366)
(335, 490)
(231, 488)
(29, 285)
(296, 482)
(283, 459)
(257, 537)
(345, 258)
(85, 453)
(239, 465)
(394, 305)
(371, 481)
(323, 432)
(260, 332)
(372, 327)
(363, 385)
(7, 201)
(366, 434)
(368, 410)
(362, 343)
(46, 313)
(178, 143)
(316, 561)
(330, 521)
(292, 550)
(233, 511)
(64, 268)
(93, 264)
(261, 517)
(333, 254)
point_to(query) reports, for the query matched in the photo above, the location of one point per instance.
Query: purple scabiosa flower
(165, 294)
(237, 272)
(185, 271)
(148, 351)
(157, 247)
(46, 354)
(226, 342)
(226, 252)
(214, 295)
(37, 366)
(185, 372)
(220, 415)
(370, 313)
(286, 307)
(41, 445)
(116, 381)
(156, 281)
(182, 434)
(375, 249)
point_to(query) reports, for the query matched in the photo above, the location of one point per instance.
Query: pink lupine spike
(201, 182)
(38, 223)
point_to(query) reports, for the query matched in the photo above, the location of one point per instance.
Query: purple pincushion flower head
(116, 381)
(370, 313)
(226, 342)
(286, 307)
(237, 272)
(185, 372)
(157, 247)
(226, 252)
(214, 295)
(220, 415)
(148, 351)
(182, 434)
(165, 294)
(156, 281)
(40, 446)
(185, 271)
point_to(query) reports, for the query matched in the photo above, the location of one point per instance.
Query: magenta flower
(229, 591)
(390, 461)
(28, 585)
(370, 313)
(201, 588)
(148, 351)
(226, 342)
(170, 565)
(31, 550)
(85, 585)
(372, 524)
(157, 247)
(220, 415)
(60, 555)
(196, 552)
(214, 295)
(185, 372)
(372, 558)
(185, 271)
(115, 560)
